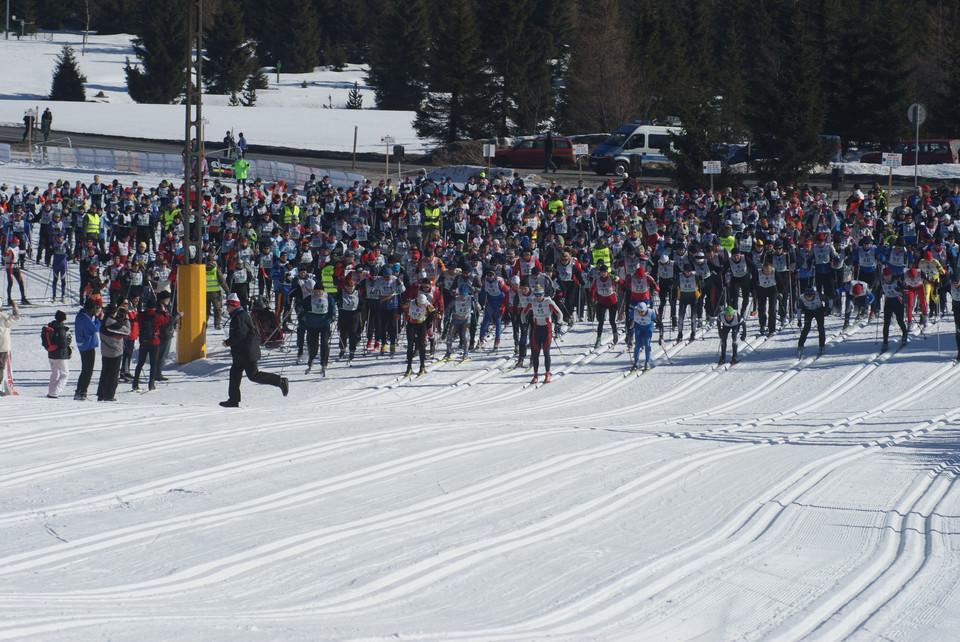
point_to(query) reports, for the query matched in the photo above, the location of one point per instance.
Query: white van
(633, 139)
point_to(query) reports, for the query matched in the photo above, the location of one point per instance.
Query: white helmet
(422, 300)
(643, 306)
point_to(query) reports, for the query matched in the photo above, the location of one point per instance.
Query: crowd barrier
(107, 160)
(4, 153)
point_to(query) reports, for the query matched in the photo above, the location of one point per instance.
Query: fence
(4, 153)
(106, 160)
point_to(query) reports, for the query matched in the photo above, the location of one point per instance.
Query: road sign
(580, 150)
(387, 140)
(891, 160)
(489, 150)
(916, 114)
(711, 167)
(30, 112)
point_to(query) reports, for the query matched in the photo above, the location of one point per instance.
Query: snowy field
(780, 499)
(286, 114)
(776, 500)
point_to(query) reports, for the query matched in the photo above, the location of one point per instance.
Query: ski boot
(722, 361)
(447, 354)
(323, 371)
(734, 360)
(393, 348)
(408, 372)
(535, 378)
(383, 349)
(820, 351)
(342, 354)
(883, 348)
(546, 377)
(369, 345)
(496, 345)
(422, 371)
(519, 363)
(646, 366)
(846, 324)
(616, 338)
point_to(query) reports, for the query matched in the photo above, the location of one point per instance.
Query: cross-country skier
(727, 324)
(541, 311)
(892, 289)
(644, 319)
(812, 307)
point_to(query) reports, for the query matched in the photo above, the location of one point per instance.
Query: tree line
(777, 72)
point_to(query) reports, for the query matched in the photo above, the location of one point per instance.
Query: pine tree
(398, 58)
(249, 97)
(229, 58)
(29, 12)
(161, 45)
(288, 32)
(602, 91)
(790, 106)
(53, 13)
(455, 107)
(113, 16)
(67, 80)
(355, 98)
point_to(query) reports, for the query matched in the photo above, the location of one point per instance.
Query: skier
(860, 297)
(320, 308)
(811, 307)
(688, 285)
(955, 296)
(519, 299)
(492, 297)
(639, 284)
(913, 288)
(11, 261)
(420, 313)
(644, 319)
(540, 312)
(604, 292)
(462, 308)
(892, 289)
(727, 324)
(766, 296)
(350, 324)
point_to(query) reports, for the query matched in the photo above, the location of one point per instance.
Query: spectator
(56, 338)
(113, 330)
(87, 328)
(46, 120)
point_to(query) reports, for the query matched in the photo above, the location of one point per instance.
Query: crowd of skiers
(448, 267)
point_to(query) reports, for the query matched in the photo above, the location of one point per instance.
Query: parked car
(932, 151)
(642, 143)
(529, 153)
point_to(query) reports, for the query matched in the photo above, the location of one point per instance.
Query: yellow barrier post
(192, 302)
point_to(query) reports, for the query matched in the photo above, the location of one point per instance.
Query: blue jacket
(87, 331)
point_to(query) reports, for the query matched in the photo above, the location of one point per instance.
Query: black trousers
(255, 375)
(109, 372)
(318, 339)
(147, 351)
(87, 360)
(808, 318)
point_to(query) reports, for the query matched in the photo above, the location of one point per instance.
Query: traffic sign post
(712, 167)
(489, 151)
(387, 140)
(916, 114)
(891, 160)
(579, 151)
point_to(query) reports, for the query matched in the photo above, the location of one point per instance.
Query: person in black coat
(245, 350)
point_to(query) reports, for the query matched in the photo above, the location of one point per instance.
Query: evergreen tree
(398, 57)
(288, 31)
(790, 107)
(602, 91)
(67, 80)
(229, 58)
(355, 98)
(249, 97)
(53, 13)
(160, 43)
(113, 16)
(455, 107)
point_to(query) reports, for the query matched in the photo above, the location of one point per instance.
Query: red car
(529, 153)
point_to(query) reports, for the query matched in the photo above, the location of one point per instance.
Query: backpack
(46, 332)
(147, 330)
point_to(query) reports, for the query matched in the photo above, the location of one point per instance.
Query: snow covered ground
(780, 499)
(286, 115)
(776, 500)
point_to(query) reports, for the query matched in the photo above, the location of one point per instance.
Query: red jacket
(150, 321)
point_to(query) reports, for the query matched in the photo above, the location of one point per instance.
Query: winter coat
(7, 321)
(58, 340)
(112, 333)
(87, 329)
(242, 339)
(150, 321)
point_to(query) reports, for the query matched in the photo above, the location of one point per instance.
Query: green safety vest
(727, 242)
(93, 223)
(431, 216)
(601, 254)
(326, 278)
(213, 283)
(288, 214)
